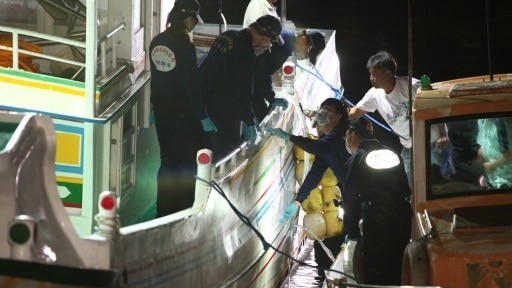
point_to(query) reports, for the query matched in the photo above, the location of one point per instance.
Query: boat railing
(16, 50)
(103, 42)
(228, 165)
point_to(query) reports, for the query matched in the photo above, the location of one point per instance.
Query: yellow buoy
(299, 170)
(314, 201)
(329, 179)
(334, 225)
(329, 195)
(299, 153)
(315, 223)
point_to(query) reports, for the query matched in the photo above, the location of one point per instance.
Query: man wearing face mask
(310, 43)
(227, 74)
(376, 189)
(329, 153)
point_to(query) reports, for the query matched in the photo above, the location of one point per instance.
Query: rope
(338, 94)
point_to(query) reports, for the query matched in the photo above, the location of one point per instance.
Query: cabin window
(18, 11)
(470, 156)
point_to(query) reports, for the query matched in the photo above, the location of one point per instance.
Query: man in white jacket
(258, 8)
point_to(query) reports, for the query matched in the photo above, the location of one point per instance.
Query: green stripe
(43, 77)
(6, 131)
(76, 192)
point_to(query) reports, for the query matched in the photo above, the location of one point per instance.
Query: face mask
(322, 117)
(300, 55)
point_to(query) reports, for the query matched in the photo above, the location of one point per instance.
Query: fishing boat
(462, 225)
(79, 158)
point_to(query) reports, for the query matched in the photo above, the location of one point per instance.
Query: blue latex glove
(290, 212)
(280, 102)
(279, 133)
(208, 125)
(251, 134)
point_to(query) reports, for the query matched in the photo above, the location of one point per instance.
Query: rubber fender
(415, 264)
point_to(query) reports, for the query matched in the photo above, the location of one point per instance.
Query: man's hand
(279, 133)
(280, 102)
(251, 134)
(290, 212)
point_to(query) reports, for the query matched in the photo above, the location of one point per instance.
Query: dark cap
(316, 38)
(361, 126)
(270, 26)
(189, 8)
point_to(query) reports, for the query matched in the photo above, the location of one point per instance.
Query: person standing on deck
(310, 43)
(227, 74)
(263, 96)
(180, 115)
(329, 151)
(376, 189)
(268, 63)
(390, 97)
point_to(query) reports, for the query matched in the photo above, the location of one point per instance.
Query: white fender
(415, 264)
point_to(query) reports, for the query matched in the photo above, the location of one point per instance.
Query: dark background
(449, 37)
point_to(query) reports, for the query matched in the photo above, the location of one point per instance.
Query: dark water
(303, 276)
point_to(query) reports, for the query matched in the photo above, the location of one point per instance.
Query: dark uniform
(178, 109)
(227, 74)
(380, 196)
(329, 153)
(267, 64)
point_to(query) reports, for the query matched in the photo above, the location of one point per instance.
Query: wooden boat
(80, 156)
(462, 234)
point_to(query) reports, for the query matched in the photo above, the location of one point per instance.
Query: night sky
(449, 37)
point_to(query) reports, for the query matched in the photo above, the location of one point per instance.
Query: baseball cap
(360, 126)
(189, 8)
(316, 38)
(271, 26)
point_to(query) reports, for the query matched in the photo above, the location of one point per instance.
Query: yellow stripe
(43, 85)
(69, 179)
(46, 86)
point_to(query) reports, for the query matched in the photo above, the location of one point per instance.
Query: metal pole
(283, 10)
(90, 59)
(220, 17)
(409, 72)
(488, 24)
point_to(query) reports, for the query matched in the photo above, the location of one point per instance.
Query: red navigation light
(203, 158)
(288, 70)
(108, 202)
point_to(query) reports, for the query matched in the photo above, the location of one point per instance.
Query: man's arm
(355, 112)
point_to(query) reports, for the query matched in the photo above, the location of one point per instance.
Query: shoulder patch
(163, 58)
(224, 43)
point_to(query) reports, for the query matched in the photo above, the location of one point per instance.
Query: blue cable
(339, 95)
